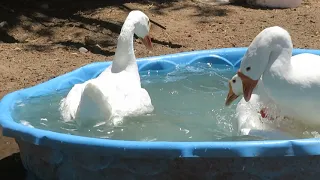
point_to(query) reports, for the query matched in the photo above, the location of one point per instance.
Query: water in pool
(189, 106)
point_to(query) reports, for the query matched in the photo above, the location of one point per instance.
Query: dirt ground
(40, 40)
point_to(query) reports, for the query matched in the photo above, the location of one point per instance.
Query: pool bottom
(69, 164)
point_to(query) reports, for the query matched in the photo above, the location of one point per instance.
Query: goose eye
(248, 68)
(234, 81)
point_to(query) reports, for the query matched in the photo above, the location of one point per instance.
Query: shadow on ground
(58, 13)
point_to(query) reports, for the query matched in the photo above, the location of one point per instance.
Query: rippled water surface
(189, 106)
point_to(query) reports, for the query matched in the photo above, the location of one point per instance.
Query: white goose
(236, 89)
(294, 87)
(259, 100)
(253, 116)
(261, 116)
(116, 92)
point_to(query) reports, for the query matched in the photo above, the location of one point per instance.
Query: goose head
(265, 48)
(142, 26)
(235, 89)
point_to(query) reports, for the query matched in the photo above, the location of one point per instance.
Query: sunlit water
(189, 106)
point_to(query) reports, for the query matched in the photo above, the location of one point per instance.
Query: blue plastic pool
(51, 155)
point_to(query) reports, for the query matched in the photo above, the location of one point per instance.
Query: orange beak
(147, 42)
(231, 96)
(248, 85)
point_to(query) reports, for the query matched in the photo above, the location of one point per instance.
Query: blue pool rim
(230, 56)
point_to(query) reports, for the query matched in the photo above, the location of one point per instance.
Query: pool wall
(51, 155)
